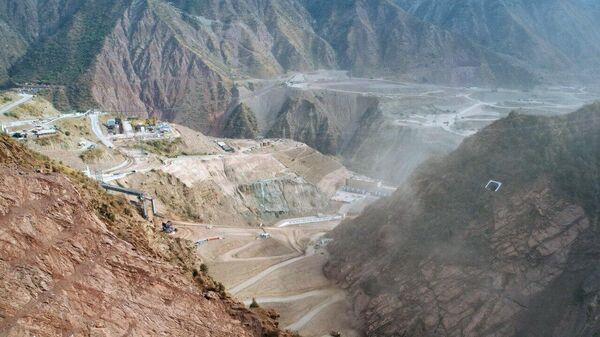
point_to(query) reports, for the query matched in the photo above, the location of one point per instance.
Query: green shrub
(91, 155)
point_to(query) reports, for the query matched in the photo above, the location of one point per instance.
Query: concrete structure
(141, 196)
(224, 146)
(46, 132)
(368, 186)
(127, 128)
(493, 186)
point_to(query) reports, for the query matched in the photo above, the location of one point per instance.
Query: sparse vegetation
(65, 57)
(242, 123)
(11, 114)
(254, 304)
(47, 140)
(91, 155)
(164, 147)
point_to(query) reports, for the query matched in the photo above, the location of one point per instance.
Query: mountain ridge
(446, 257)
(228, 41)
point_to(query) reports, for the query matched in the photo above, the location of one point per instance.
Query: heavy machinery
(264, 234)
(212, 238)
(168, 228)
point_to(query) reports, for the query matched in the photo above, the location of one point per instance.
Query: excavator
(168, 228)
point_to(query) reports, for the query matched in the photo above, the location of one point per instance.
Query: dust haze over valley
(363, 168)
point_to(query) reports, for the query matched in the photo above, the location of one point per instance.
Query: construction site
(257, 210)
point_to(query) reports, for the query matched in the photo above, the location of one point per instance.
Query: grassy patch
(91, 155)
(164, 147)
(36, 108)
(47, 141)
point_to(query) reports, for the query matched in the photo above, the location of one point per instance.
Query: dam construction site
(258, 209)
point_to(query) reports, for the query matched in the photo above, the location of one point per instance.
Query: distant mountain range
(552, 38)
(179, 59)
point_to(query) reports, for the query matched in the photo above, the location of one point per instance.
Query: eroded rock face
(291, 196)
(446, 257)
(148, 68)
(64, 273)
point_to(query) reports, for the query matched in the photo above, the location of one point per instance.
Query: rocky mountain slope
(378, 38)
(77, 261)
(446, 257)
(178, 59)
(350, 125)
(543, 36)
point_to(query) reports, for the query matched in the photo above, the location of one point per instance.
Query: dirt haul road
(283, 272)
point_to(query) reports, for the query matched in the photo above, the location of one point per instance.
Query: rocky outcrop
(447, 257)
(22, 23)
(324, 120)
(283, 197)
(177, 59)
(246, 189)
(76, 261)
(300, 120)
(164, 76)
(241, 123)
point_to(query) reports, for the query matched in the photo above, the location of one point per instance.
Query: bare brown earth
(307, 301)
(75, 261)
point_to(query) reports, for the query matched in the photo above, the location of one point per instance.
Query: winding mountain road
(98, 131)
(258, 277)
(310, 251)
(24, 99)
(299, 324)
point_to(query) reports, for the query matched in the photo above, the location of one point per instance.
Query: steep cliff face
(446, 257)
(23, 22)
(166, 75)
(184, 73)
(179, 59)
(63, 56)
(302, 121)
(324, 120)
(283, 197)
(282, 29)
(76, 261)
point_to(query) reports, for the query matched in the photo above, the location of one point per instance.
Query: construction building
(224, 146)
(45, 132)
(368, 186)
